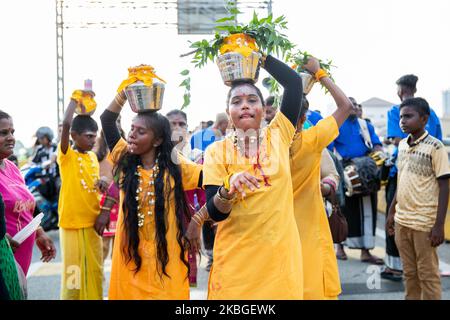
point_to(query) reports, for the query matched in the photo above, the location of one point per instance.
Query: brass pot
(308, 81)
(145, 98)
(234, 66)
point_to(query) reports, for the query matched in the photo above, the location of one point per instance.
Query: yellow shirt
(321, 275)
(147, 284)
(257, 250)
(79, 200)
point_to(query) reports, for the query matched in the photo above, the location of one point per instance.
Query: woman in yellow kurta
(150, 256)
(257, 250)
(321, 276)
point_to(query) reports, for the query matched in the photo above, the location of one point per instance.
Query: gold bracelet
(201, 216)
(119, 100)
(203, 213)
(197, 220)
(223, 199)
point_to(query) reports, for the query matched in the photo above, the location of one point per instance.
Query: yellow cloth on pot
(144, 73)
(86, 102)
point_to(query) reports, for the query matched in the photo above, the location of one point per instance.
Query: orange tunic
(321, 275)
(125, 284)
(257, 250)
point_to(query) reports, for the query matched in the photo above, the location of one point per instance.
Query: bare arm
(442, 202)
(328, 173)
(344, 105)
(391, 215)
(393, 204)
(437, 232)
(67, 121)
(118, 102)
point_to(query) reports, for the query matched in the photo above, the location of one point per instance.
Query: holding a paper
(19, 202)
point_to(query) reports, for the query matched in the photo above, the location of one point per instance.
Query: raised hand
(239, 180)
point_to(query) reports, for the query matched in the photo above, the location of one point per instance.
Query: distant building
(446, 103)
(376, 110)
(445, 120)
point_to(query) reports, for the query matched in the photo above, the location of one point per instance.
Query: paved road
(360, 281)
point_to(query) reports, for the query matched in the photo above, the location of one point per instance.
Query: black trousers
(209, 234)
(361, 214)
(391, 247)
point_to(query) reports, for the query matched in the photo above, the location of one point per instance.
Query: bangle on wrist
(320, 74)
(119, 100)
(203, 213)
(223, 199)
(197, 220)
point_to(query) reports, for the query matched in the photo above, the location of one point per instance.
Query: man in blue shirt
(313, 117)
(202, 139)
(360, 211)
(406, 88)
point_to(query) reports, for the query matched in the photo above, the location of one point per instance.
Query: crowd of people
(261, 182)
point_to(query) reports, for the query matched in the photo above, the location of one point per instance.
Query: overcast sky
(371, 42)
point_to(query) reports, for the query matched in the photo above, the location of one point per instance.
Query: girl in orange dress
(150, 253)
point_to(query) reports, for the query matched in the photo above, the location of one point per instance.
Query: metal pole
(59, 60)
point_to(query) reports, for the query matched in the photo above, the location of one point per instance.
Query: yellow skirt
(82, 259)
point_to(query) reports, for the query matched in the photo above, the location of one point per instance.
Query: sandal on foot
(388, 274)
(373, 260)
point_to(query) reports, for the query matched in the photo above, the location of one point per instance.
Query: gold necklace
(146, 193)
(89, 189)
(239, 143)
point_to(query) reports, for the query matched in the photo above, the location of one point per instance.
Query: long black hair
(127, 167)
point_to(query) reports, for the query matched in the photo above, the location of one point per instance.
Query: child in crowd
(79, 206)
(420, 203)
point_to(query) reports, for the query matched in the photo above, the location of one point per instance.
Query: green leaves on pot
(300, 58)
(266, 32)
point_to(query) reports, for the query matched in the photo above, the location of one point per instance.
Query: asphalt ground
(359, 281)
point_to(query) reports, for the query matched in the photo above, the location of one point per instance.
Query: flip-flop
(373, 260)
(391, 276)
(445, 273)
